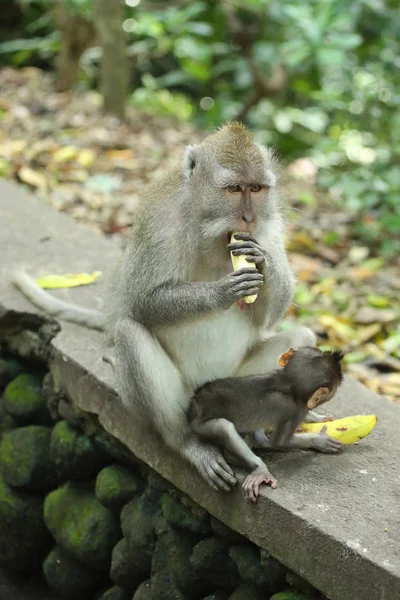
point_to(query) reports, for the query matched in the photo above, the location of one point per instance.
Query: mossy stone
(116, 485)
(9, 369)
(210, 559)
(24, 400)
(75, 455)
(116, 593)
(124, 572)
(300, 584)
(7, 422)
(290, 595)
(82, 526)
(248, 561)
(68, 577)
(185, 516)
(25, 458)
(163, 583)
(218, 595)
(138, 519)
(144, 591)
(222, 530)
(24, 539)
(247, 591)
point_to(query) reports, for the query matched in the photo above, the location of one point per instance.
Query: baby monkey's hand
(255, 479)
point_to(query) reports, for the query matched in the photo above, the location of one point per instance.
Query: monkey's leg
(263, 358)
(224, 433)
(151, 386)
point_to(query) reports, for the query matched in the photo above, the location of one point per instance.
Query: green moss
(24, 539)
(116, 593)
(9, 369)
(81, 525)
(185, 517)
(24, 400)
(74, 454)
(290, 595)
(116, 485)
(25, 458)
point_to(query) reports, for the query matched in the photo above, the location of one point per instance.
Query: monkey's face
(233, 182)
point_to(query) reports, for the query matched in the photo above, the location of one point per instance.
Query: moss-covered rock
(218, 595)
(290, 595)
(116, 593)
(24, 400)
(163, 583)
(138, 519)
(75, 455)
(25, 458)
(9, 369)
(185, 514)
(222, 530)
(116, 485)
(144, 591)
(68, 577)
(269, 578)
(24, 539)
(124, 572)
(210, 559)
(82, 526)
(298, 583)
(177, 546)
(7, 422)
(247, 591)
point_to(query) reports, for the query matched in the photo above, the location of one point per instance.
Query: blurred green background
(314, 78)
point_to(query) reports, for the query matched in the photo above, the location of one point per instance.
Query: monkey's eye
(234, 189)
(256, 188)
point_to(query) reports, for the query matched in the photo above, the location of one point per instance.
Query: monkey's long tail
(55, 307)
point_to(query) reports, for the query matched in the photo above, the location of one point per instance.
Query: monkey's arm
(321, 442)
(172, 302)
(56, 307)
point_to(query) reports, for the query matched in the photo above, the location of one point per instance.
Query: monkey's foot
(214, 468)
(255, 479)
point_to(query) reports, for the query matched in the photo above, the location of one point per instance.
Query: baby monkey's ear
(284, 359)
(320, 395)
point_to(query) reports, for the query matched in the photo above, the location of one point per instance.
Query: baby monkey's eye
(234, 189)
(256, 188)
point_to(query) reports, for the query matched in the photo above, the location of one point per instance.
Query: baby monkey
(220, 410)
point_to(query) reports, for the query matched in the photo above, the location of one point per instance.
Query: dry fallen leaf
(67, 280)
(33, 178)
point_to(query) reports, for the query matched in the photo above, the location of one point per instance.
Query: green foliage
(338, 102)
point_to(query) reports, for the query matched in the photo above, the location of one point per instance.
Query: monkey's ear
(317, 397)
(189, 161)
(284, 359)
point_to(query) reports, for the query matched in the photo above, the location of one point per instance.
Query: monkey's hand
(237, 285)
(255, 479)
(251, 248)
(325, 443)
(313, 417)
(212, 466)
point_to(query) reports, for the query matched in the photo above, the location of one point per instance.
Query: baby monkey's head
(314, 375)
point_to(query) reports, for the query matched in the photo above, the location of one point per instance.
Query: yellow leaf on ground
(340, 327)
(86, 157)
(65, 154)
(300, 241)
(67, 280)
(33, 178)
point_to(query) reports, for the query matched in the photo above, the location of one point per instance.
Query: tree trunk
(114, 72)
(77, 33)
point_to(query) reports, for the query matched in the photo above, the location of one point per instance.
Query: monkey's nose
(248, 218)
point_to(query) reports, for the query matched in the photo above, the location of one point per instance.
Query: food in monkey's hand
(348, 430)
(239, 262)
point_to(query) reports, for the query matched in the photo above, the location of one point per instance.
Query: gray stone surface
(334, 520)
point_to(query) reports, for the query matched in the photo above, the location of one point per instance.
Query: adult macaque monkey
(220, 410)
(173, 316)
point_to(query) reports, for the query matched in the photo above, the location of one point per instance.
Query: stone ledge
(334, 519)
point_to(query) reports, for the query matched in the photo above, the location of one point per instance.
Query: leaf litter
(94, 167)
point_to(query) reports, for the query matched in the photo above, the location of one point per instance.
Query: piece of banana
(238, 262)
(347, 430)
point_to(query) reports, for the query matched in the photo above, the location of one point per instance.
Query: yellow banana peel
(67, 280)
(239, 262)
(348, 430)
